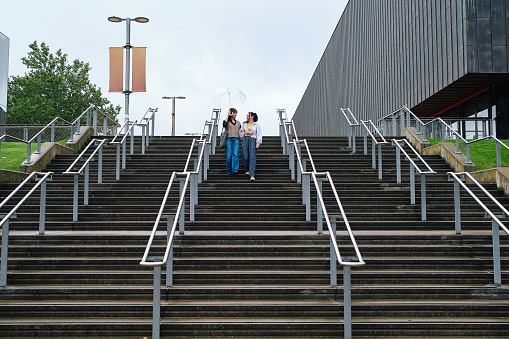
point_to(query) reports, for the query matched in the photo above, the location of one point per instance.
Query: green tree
(51, 88)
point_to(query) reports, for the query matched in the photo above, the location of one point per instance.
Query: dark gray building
(438, 57)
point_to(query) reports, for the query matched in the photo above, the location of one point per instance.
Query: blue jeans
(248, 155)
(232, 155)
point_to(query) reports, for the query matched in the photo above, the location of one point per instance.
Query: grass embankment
(12, 154)
(482, 153)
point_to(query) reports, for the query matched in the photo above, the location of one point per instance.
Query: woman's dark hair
(231, 111)
(254, 115)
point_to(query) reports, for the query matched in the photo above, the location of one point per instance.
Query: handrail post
(142, 140)
(319, 212)
(365, 142)
(29, 152)
(499, 159)
(423, 197)
(105, 126)
(87, 182)
(347, 301)
(100, 166)
(72, 133)
(457, 144)
(349, 128)
(147, 133)
(94, 121)
(384, 127)
(38, 151)
(291, 160)
(380, 162)
(169, 263)
(75, 198)
(299, 173)
(468, 154)
(4, 253)
(443, 132)
(402, 121)
(117, 174)
(394, 126)
(156, 308)
(353, 141)
(412, 185)
(183, 211)
(333, 258)
(132, 141)
(457, 207)
(373, 154)
(52, 132)
(42, 209)
(398, 165)
(124, 151)
(497, 280)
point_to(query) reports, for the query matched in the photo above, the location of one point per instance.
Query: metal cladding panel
(389, 53)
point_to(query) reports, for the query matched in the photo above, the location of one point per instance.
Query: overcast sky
(269, 49)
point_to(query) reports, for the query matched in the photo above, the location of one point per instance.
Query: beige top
(233, 130)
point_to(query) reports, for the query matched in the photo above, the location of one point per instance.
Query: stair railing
(350, 125)
(129, 127)
(413, 168)
(144, 123)
(215, 129)
(4, 224)
(38, 138)
(167, 259)
(76, 124)
(293, 144)
(196, 172)
(495, 220)
(374, 142)
(192, 177)
(85, 170)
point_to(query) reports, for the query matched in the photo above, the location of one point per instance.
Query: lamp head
(114, 19)
(141, 19)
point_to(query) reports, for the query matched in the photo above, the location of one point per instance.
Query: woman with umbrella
(232, 125)
(251, 132)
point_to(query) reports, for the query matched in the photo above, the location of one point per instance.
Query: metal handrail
(349, 129)
(347, 111)
(413, 168)
(328, 177)
(122, 142)
(68, 171)
(374, 143)
(496, 224)
(4, 223)
(396, 143)
(85, 167)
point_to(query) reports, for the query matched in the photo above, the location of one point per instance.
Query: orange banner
(139, 62)
(116, 66)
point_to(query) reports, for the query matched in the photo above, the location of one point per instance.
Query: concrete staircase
(251, 265)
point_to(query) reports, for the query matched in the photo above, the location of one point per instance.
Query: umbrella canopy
(228, 95)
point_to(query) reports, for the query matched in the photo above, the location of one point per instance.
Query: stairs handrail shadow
(495, 220)
(4, 223)
(292, 145)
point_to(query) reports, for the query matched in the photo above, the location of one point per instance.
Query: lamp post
(141, 20)
(173, 112)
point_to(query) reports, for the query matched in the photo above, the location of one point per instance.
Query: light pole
(127, 91)
(173, 112)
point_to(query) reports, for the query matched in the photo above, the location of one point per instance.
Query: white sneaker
(247, 173)
(252, 179)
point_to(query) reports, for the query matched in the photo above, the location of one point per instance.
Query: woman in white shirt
(251, 132)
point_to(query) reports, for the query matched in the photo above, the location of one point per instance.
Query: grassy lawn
(483, 153)
(12, 154)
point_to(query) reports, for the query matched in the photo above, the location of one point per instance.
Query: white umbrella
(228, 95)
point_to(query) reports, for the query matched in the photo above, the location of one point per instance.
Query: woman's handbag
(222, 139)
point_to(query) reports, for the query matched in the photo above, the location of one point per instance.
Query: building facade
(443, 58)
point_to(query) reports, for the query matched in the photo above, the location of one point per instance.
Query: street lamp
(173, 112)
(141, 20)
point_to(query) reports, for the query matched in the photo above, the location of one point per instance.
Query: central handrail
(129, 127)
(206, 145)
(4, 223)
(413, 168)
(80, 171)
(496, 224)
(352, 123)
(374, 143)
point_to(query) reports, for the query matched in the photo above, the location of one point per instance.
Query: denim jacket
(256, 129)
